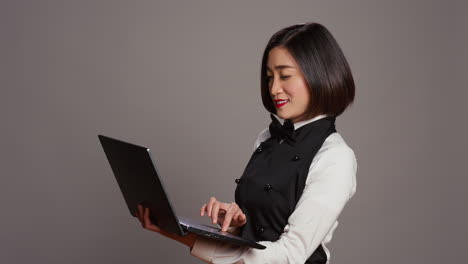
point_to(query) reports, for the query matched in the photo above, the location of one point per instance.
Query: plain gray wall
(183, 79)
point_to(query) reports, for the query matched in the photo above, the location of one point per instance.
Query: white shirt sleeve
(331, 182)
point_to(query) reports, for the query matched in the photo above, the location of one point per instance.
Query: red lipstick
(280, 102)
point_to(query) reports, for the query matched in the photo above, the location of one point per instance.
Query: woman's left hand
(143, 215)
(224, 214)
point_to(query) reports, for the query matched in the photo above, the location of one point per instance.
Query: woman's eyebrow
(280, 67)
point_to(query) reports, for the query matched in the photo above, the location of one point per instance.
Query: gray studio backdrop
(183, 79)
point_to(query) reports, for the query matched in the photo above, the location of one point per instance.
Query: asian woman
(302, 172)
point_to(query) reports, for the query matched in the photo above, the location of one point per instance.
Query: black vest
(274, 179)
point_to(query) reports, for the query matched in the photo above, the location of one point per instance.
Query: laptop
(138, 178)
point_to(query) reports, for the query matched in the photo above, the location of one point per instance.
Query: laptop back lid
(138, 179)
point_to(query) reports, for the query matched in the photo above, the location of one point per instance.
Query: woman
(301, 173)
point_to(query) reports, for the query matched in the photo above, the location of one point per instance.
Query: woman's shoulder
(336, 146)
(333, 151)
(334, 165)
(335, 143)
(262, 136)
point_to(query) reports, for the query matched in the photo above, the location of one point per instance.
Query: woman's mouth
(280, 102)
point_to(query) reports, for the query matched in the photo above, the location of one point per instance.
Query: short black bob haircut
(323, 66)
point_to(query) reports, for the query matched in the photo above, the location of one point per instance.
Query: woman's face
(288, 87)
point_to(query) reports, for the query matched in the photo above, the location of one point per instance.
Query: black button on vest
(274, 179)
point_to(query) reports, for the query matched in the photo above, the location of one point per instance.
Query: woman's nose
(275, 87)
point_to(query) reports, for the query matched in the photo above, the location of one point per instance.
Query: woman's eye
(284, 77)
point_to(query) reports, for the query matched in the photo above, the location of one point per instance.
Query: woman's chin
(283, 114)
(279, 114)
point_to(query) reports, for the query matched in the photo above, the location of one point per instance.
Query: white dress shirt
(331, 182)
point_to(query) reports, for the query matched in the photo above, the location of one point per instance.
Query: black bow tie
(284, 131)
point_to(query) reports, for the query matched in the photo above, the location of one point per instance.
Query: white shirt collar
(301, 123)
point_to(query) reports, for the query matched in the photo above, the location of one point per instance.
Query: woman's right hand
(224, 214)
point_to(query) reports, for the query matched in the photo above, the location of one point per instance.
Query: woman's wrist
(188, 239)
